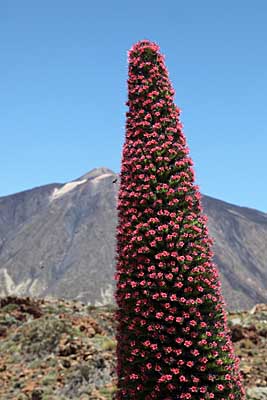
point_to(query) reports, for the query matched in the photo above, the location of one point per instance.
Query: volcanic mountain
(58, 240)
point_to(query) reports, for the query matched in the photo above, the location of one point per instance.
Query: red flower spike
(172, 335)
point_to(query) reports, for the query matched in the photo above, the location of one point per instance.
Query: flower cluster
(173, 340)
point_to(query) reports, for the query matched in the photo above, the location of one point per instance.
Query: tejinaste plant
(173, 340)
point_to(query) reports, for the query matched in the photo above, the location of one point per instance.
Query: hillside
(62, 350)
(58, 240)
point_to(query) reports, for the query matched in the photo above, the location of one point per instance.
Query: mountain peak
(94, 173)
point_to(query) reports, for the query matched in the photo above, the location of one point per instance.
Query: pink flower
(188, 343)
(193, 323)
(190, 364)
(165, 378)
(134, 377)
(175, 371)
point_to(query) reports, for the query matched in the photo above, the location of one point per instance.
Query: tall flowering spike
(173, 341)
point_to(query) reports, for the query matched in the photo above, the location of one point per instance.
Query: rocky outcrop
(63, 350)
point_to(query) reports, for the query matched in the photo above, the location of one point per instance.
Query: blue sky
(63, 74)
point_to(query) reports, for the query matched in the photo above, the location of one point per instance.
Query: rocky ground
(61, 350)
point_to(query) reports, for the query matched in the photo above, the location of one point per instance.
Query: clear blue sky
(63, 71)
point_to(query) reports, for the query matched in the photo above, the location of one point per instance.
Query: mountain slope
(59, 240)
(240, 249)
